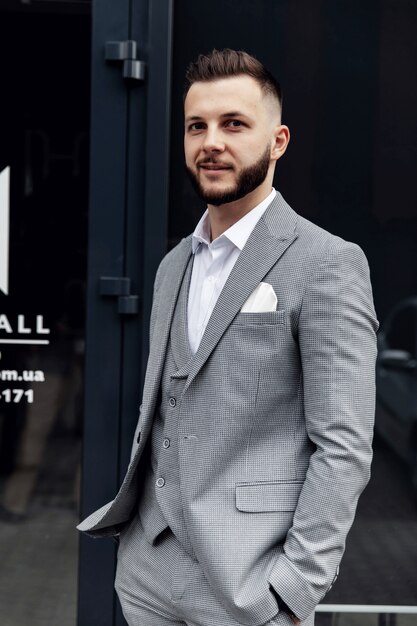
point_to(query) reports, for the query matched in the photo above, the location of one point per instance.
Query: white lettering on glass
(22, 326)
(4, 229)
(40, 327)
(5, 324)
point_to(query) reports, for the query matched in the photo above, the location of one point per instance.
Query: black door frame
(129, 169)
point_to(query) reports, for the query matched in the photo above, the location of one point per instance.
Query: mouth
(214, 167)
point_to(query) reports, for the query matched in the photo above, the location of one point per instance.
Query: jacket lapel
(178, 338)
(273, 234)
(167, 299)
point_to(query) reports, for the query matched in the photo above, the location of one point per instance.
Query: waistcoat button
(160, 482)
(166, 443)
(172, 402)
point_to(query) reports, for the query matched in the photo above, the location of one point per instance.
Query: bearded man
(254, 437)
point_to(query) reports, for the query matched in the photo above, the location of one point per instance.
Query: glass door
(44, 166)
(84, 121)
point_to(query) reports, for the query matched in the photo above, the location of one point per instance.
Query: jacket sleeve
(337, 340)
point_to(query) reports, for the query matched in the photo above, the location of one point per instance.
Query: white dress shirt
(212, 265)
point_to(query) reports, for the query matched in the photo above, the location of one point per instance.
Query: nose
(213, 141)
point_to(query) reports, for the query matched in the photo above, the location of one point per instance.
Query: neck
(224, 216)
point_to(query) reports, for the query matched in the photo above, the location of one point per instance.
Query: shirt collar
(239, 233)
(201, 233)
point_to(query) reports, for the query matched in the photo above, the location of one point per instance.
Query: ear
(280, 140)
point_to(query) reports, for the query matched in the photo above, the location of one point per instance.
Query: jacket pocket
(267, 496)
(266, 317)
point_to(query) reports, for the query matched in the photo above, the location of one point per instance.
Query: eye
(234, 123)
(196, 126)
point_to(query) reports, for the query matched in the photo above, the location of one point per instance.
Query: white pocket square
(261, 300)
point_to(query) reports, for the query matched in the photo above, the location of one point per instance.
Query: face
(230, 138)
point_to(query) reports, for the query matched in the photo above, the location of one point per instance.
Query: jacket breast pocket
(255, 319)
(256, 337)
(257, 497)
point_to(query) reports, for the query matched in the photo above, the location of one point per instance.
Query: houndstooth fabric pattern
(169, 587)
(160, 507)
(274, 420)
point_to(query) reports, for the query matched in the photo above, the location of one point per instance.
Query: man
(254, 436)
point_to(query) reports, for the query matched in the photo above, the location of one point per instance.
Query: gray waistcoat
(160, 502)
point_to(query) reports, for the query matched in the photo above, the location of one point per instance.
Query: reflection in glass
(44, 142)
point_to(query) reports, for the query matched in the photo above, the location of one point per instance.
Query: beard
(248, 180)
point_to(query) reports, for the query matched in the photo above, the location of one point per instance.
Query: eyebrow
(197, 118)
(234, 114)
(193, 118)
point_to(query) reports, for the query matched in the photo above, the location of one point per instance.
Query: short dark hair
(224, 63)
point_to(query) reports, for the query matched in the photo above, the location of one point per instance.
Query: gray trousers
(161, 585)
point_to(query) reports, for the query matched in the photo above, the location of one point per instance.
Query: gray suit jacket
(276, 418)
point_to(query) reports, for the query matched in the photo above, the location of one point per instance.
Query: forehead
(237, 93)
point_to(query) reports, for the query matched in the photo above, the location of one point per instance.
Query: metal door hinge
(126, 52)
(119, 288)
